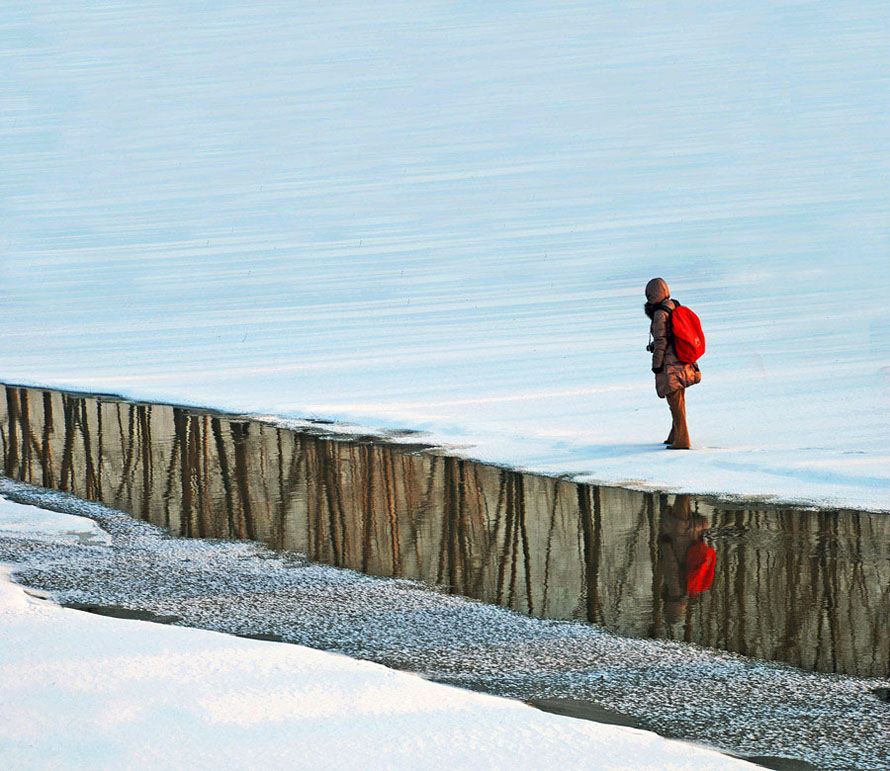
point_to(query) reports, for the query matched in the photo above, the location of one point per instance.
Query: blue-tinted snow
(441, 215)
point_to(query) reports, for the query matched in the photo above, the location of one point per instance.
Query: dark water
(804, 587)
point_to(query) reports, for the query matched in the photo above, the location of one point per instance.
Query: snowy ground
(82, 691)
(442, 215)
(438, 216)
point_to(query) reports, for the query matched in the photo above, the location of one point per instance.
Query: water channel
(809, 588)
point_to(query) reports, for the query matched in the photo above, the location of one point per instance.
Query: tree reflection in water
(808, 588)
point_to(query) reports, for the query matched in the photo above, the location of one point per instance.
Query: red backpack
(689, 340)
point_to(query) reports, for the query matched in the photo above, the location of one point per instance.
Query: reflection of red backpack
(700, 561)
(689, 340)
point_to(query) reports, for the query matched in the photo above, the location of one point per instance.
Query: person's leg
(673, 432)
(677, 403)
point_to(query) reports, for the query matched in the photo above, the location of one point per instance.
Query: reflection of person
(687, 562)
(672, 376)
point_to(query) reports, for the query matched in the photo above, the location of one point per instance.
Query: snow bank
(84, 691)
(442, 217)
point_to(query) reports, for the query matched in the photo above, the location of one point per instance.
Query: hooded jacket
(673, 374)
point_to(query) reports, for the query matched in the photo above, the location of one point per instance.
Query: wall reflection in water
(808, 588)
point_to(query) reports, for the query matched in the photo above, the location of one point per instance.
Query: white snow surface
(17, 519)
(441, 216)
(81, 691)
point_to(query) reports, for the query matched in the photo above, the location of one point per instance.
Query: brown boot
(677, 403)
(670, 439)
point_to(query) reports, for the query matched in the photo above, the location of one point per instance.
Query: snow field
(441, 216)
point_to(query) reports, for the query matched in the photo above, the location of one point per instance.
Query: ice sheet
(441, 216)
(20, 520)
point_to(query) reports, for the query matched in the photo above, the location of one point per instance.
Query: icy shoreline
(751, 707)
(717, 472)
(217, 699)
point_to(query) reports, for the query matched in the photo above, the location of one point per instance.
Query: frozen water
(19, 520)
(441, 216)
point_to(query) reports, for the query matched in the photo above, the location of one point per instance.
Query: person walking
(672, 376)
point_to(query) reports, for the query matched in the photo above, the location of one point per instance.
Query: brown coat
(674, 374)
